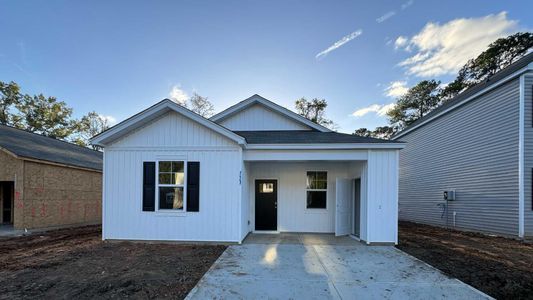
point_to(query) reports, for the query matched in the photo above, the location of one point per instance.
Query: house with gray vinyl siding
(479, 145)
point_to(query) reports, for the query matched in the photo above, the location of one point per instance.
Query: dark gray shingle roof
(30, 145)
(514, 67)
(304, 137)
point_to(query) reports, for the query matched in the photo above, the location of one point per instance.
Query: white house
(170, 174)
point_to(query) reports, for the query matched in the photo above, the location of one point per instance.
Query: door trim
(277, 208)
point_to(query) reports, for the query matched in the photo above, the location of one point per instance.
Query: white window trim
(316, 210)
(157, 185)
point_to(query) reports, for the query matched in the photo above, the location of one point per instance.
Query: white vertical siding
(258, 117)
(173, 137)
(382, 196)
(292, 213)
(245, 200)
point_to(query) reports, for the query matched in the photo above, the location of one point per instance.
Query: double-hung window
(171, 184)
(317, 189)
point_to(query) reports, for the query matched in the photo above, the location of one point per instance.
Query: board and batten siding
(258, 117)
(381, 203)
(473, 150)
(293, 215)
(528, 154)
(173, 137)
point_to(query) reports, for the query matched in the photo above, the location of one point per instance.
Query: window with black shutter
(193, 186)
(149, 186)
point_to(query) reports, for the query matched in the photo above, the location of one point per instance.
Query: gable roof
(307, 137)
(153, 112)
(517, 68)
(256, 99)
(27, 145)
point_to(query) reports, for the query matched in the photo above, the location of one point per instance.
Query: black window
(317, 189)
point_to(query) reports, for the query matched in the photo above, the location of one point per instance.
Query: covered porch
(344, 192)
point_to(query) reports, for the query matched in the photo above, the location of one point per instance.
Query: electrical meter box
(449, 195)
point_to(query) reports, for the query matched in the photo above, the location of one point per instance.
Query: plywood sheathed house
(46, 183)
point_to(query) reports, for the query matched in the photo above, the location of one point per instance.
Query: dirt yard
(500, 267)
(75, 263)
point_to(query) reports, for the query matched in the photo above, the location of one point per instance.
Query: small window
(266, 188)
(317, 189)
(171, 177)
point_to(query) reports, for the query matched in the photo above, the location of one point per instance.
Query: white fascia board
(324, 146)
(271, 105)
(309, 155)
(124, 126)
(483, 91)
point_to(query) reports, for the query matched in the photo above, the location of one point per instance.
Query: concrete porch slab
(321, 266)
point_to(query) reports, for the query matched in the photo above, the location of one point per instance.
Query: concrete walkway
(321, 266)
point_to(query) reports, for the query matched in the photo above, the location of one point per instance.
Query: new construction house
(469, 163)
(170, 174)
(46, 182)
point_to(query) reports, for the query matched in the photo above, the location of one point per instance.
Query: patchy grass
(75, 263)
(500, 267)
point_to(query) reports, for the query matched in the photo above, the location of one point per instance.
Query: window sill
(316, 211)
(170, 213)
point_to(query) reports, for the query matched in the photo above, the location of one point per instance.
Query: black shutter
(193, 186)
(148, 186)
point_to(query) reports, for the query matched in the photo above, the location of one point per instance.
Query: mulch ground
(500, 267)
(75, 264)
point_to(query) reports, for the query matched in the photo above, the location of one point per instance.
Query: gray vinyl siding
(474, 150)
(528, 157)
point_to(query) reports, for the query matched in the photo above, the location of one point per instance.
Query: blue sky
(118, 57)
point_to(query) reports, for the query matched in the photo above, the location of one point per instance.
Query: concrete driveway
(321, 266)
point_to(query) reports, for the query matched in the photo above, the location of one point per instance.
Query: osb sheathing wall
(52, 196)
(12, 169)
(58, 196)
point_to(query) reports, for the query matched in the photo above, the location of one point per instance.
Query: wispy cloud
(407, 4)
(400, 42)
(444, 49)
(379, 109)
(396, 89)
(110, 119)
(340, 43)
(386, 16)
(178, 95)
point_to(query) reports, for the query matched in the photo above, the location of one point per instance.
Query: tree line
(429, 94)
(52, 118)
(47, 116)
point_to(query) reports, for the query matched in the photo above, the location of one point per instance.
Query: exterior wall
(52, 196)
(245, 201)
(12, 169)
(257, 117)
(60, 196)
(528, 155)
(173, 136)
(381, 197)
(293, 216)
(474, 150)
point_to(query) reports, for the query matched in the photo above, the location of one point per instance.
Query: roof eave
(525, 69)
(271, 105)
(155, 111)
(326, 146)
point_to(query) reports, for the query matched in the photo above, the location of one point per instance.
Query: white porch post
(382, 196)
